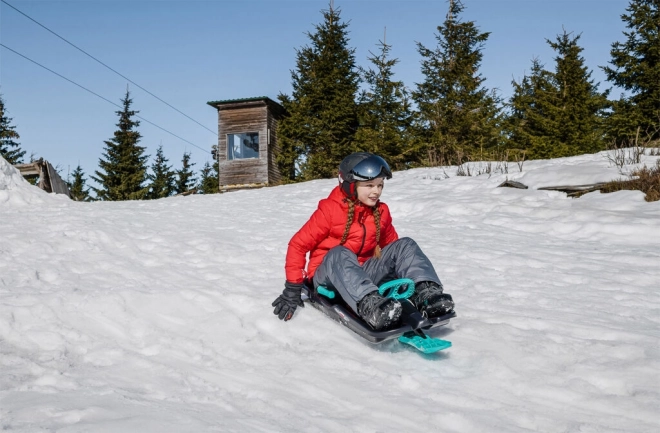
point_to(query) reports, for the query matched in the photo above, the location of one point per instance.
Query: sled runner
(411, 327)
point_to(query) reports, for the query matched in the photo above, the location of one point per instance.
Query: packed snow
(155, 316)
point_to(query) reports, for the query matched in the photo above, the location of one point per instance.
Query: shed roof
(224, 102)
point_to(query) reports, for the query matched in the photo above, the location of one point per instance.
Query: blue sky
(191, 52)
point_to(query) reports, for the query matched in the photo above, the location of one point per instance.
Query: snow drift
(155, 316)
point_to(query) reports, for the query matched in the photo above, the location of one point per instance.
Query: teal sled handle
(326, 292)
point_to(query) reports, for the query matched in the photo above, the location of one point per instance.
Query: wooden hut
(247, 142)
(46, 175)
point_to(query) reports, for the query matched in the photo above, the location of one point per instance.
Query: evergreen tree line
(123, 173)
(451, 117)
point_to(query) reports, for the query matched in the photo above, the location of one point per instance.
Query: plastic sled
(410, 329)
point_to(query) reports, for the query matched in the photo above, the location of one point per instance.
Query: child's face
(369, 191)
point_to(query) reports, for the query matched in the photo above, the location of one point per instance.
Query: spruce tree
(458, 116)
(529, 126)
(385, 113)
(77, 188)
(216, 164)
(581, 107)
(322, 112)
(185, 180)
(635, 67)
(10, 150)
(208, 182)
(560, 113)
(162, 177)
(123, 172)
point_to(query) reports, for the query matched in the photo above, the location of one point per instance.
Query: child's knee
(405, 243)
(339, 251)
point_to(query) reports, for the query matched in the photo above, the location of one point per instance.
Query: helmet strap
(349, 189)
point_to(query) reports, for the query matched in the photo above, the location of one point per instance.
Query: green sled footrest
(424, 343)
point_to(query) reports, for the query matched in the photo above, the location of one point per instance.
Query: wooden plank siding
(49, 179)
(243, 116)
(243, 171)
(274, 176)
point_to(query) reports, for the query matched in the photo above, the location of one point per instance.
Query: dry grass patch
(644, 179)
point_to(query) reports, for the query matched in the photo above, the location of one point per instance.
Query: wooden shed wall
(274, 177)
(241, 120)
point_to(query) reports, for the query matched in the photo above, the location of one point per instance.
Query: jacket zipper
(364, 237)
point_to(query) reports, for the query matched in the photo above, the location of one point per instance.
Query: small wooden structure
(570, 190)
(512, 184)
(576, 190)
(247, 142)
(48, 179)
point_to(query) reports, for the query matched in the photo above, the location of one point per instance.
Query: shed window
(242, 146)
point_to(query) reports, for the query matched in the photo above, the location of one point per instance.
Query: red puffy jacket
(325, 229)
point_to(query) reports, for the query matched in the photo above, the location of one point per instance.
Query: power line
(97, 60)
(104, 98)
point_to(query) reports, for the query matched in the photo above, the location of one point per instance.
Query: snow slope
(155, 316)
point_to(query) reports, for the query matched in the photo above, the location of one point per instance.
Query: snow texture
(155, 316)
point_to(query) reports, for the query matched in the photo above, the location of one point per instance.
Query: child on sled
(353, 248)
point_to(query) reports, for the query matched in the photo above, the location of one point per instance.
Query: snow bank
(155, 316)
(15, 190)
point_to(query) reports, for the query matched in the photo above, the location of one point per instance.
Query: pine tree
(162, 177)
(10, 150)
(322, 113)
(560, 113)
(208, 182)
(185, 180)
(636, 68)
(77, 188)
(386, 117)
(580, 111)
(529, 126)
(458, 116)
(123, 172)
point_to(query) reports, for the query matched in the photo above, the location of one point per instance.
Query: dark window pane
(241, 146)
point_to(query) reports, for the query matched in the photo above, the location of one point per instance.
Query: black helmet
(361, 166)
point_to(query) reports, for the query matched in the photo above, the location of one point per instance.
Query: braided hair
(349, 221)
(376, 213)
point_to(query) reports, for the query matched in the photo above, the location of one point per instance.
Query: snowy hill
(155, 316)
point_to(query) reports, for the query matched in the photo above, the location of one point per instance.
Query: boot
(379, 312)
(430, 301)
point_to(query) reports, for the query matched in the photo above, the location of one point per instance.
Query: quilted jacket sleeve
(308, 237)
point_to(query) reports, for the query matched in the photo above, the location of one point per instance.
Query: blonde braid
(376, 213)
(349, 221)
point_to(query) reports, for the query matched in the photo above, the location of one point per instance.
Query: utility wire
(97, 60)
(96, 94)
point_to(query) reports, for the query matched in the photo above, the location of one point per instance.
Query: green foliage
(557, 114)
(292, 149)
(10, 150)
(386, 116)
(581, 108)
(185, 180)
(529, 125)
(208, 182)
(458, 116)
(123, 170)
(322, 113)
(77, 188)
(162, 177)
(635, 66)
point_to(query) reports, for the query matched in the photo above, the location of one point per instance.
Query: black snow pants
(341, 271)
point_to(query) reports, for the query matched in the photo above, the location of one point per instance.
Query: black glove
(285, 304)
